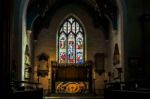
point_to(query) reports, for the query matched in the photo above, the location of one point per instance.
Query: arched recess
(36, 26)
(30, 19)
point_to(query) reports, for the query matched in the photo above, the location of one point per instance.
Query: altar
(71, 78)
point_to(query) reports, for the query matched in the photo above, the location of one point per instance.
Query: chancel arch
(53, 39)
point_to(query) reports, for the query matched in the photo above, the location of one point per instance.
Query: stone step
(74, 97)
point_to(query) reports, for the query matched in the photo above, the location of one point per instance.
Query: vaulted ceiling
(100, 10)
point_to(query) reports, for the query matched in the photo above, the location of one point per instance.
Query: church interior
(72, 49)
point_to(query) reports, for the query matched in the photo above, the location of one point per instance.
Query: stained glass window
(62, 48)
(71, 42)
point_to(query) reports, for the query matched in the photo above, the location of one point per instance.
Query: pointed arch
(71, 40)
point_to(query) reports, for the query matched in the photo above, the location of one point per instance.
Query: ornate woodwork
(72, 72)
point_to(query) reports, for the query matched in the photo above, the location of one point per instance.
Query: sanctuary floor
(68, 96)
(75, 97)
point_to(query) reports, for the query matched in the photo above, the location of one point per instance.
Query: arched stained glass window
(71, 42)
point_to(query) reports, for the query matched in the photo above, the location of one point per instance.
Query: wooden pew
(127, 90)
(26, 90)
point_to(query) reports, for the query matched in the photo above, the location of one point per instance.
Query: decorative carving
(43, 67)
(43, 56)
(27, 69)
(116, 57)
(72, 72)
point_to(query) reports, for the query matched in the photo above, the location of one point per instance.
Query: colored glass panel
(79, 48)
(73, 27)
(71, 42)
(71, 20)
(77, 27)
(71, 48)
(62, 48)
(69, 27)
(65, 27)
